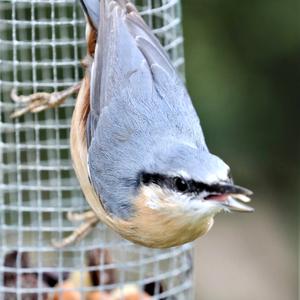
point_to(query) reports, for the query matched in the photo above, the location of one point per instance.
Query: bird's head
(187, 187)
(196, 179)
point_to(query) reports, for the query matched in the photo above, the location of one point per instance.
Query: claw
(41, 101)
(89, 219)
(80, 217)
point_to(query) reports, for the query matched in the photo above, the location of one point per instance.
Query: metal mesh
(41, 44)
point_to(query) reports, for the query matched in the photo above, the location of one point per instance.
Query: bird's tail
(92, 8)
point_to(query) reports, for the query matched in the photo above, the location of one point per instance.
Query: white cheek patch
(153, 205)
(158, 200)
(152, 198)
(197, 207)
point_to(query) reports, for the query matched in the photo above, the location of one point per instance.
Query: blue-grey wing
(138, 103)
(120, 48)
(127, 46)
(92, 10)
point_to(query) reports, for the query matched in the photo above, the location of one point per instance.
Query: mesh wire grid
(42, 43)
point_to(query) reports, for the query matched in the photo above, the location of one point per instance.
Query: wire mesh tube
(41, 44)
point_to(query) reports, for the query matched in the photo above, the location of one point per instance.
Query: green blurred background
(242, 69)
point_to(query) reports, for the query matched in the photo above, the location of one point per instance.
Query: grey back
(139, 106)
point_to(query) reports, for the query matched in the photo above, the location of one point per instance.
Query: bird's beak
(234, 205)
(232, 197)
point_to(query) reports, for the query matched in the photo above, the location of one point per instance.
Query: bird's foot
(40, 101)
(89, 220)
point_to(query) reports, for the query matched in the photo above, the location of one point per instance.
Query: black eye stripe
(175, 183)
(180, 184)
(148, 178)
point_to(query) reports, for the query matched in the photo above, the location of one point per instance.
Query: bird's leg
(41, 101)
(81, 217)
(89, 220)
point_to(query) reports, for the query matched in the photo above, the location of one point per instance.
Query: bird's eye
(180, 184)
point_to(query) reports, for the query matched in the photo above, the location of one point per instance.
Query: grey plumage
(141, 118)
(92, 9)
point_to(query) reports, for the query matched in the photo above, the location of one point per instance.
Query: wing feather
(137, 102)
(124, 43)
(92, 10)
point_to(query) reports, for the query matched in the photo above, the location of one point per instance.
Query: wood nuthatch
(137, 145)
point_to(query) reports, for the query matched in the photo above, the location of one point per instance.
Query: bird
(137, 145)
